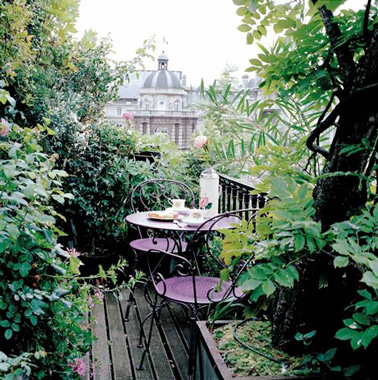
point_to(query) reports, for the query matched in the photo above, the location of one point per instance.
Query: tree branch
(322, 126)
(337, 91)
(342, 51)
(368, 70)
(372, 159)
(366, 23)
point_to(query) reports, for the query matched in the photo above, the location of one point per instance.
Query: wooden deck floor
(115, 354)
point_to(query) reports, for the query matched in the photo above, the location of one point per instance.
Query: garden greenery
(52, 93)
(302, 73)
(302, 79)
(65, 177)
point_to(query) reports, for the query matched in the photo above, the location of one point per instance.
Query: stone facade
(157, 102)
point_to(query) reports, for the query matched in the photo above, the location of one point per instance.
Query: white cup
(177, 203)
(197, 213)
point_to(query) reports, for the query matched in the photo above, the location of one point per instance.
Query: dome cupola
(163, 61)
(162, 78)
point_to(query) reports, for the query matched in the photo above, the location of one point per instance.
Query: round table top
(141, 219)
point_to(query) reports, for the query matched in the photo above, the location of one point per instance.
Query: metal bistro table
(142, 220)
(175, 231)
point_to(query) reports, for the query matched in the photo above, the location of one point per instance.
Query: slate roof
(132, 88)
(162, 79)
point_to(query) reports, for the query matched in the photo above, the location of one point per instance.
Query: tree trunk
(308, 305)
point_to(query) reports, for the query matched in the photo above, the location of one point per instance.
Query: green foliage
(238, 130)
(285, 233)
(51, 89)
(253, 354)
(103, 172)
(299, 61)
(302, 79)
(61, 85)
(355, 244)
(39, 304)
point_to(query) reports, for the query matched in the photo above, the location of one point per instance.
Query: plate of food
(167, 216)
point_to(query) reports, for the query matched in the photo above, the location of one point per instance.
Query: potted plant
(211, 365)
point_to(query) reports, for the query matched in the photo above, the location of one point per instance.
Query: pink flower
(72, 252)
(127, 116)
(79, 366)
(4, 127)
(90, 302)
(204, 201)
(99, 295)
(201, 141)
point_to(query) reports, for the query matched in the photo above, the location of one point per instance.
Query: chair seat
(180, 289)
(168, 245)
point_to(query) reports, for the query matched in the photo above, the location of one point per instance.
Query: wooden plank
(176, 345)
(180, 320)
(120, 356)
(157, 351)
(132, 331)
(100, 347)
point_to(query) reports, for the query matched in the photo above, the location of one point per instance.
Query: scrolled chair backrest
(155, 194)
(160, 261)
(202, 257)
(205, 246)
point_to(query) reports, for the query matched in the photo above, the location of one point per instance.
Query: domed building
(158, 103)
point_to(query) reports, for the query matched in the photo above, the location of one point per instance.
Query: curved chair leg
(154, 313)
(140, 344)
(131, 299)
(148, 342)
(192, 349)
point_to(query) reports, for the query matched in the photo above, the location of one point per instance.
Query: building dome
(162, 78)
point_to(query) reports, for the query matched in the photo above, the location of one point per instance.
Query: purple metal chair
(193, 285)
(154, 195)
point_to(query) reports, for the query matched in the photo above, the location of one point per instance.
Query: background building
(158, 102)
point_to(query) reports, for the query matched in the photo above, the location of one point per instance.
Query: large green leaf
(369, 334)
(268, 287)
(340, 261)
(370, 279)
(345, 333)
(250, 284)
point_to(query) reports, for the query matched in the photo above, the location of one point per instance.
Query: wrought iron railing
(237, 195)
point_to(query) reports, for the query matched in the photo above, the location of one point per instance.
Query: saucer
(192, 222)
(182, 210)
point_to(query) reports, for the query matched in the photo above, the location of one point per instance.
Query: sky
(202, 36)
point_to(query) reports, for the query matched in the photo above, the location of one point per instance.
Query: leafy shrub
(40, 300)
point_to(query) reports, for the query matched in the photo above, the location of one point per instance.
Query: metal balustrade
(237, 195)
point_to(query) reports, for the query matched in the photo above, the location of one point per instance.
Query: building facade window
(119, 111)
(146, 104)
(177, 133)
(144, 128)
(176, 105)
